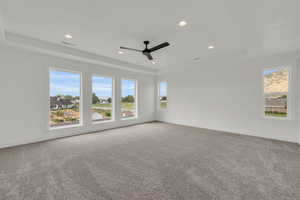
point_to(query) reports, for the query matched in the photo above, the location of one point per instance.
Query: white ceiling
(232, 26)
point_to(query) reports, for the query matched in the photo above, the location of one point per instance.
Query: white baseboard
(50, 136)
(236, 132)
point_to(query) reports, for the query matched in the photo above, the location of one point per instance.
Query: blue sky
(64, 83)
(68, 83)
(163, 89)
(128, 88)
(269, 71)
(102, 86)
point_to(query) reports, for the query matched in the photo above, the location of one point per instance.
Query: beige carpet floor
(152, 161)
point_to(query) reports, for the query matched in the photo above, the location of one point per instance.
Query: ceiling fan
(147, 52)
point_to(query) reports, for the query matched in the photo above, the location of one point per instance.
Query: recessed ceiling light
(182, 23)
(153, 62)
(211, 47)
(120, 52)
(68, 36)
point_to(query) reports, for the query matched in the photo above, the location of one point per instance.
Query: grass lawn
(269, 114)
(128, 105)
(124, 105)
(106, 105)
(163, 104)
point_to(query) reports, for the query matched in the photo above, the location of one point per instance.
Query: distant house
(60, 103)
(104, 101)
(75, 101)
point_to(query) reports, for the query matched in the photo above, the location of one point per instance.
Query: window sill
(65, 127)
(277, 118)
(129, 118)
(102, 122)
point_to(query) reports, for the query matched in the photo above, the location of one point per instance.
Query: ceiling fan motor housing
(146, 50)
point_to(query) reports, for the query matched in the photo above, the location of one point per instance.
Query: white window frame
(80, 124)
(159, 108)
(289, 93)
(135, 99)
(113, 118)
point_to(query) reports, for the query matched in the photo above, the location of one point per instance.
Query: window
(163, 98)
(128, 99)
(65, 89)
(102, 100)
(276, 92)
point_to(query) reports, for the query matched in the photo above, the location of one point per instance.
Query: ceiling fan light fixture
(120, 52)
(211, 47)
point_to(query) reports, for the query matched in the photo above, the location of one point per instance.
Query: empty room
(149, 100)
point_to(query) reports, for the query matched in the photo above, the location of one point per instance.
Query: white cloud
(99, 87)
(59, 89)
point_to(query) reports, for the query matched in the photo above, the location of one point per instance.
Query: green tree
(68, 97)
(109, 100)
(128, 99)
(95, 99)
(283, 96)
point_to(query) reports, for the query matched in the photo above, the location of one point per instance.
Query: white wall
(227, 95)
(298, 96)
(222, 95)
(24, 95)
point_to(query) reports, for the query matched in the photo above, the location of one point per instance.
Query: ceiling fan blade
(162, 45)
(149, 56)
(131, 49)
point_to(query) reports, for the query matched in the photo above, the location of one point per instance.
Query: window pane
(163, 98)
(128, 101)
(64, 98)
(102, 98)
(276, 82)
